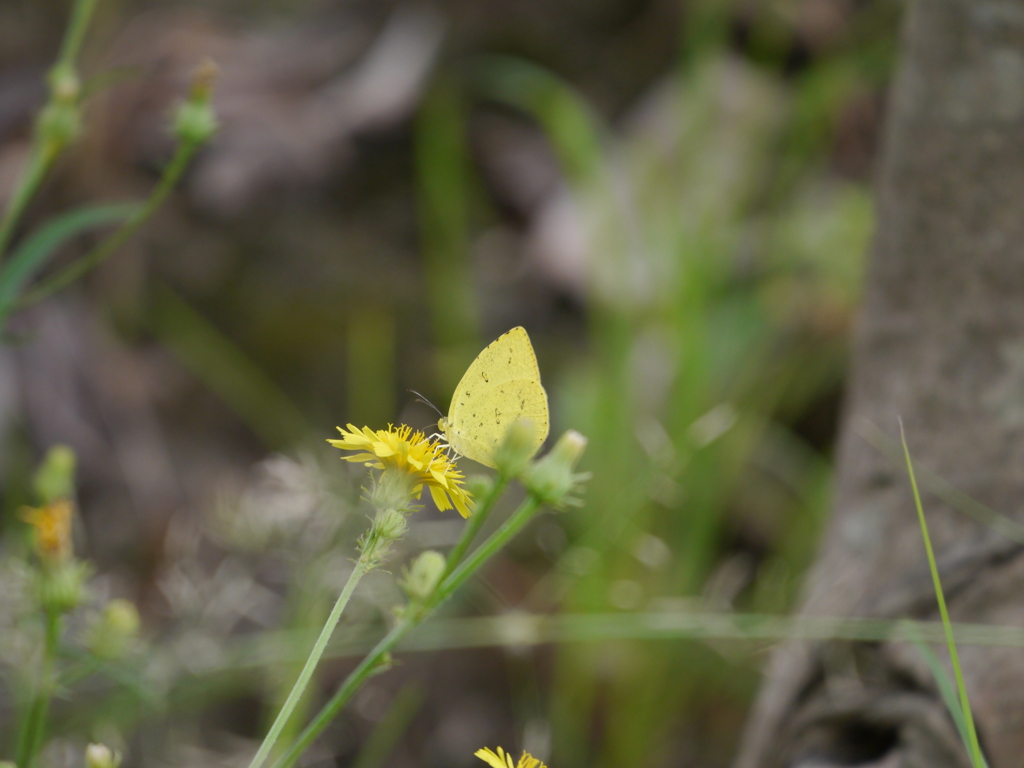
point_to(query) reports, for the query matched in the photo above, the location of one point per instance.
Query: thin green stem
(475, 522)
(33, 729)
(485, 551)
(299, 688)
(172, 173)
(370, 664)
(46, 147)
(39, 163)
(81, 14)
(975, 747)
(377, 658)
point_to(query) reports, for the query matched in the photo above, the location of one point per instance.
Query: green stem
(45, 147)
(976, 755)
(485, 551)
(476, 521)
(34, 728)
(299, 688)
(172, 173)
(39, 163)
(378, 656)
(75, 34)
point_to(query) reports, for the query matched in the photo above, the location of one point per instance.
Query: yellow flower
(504, 760)
(422, 458)
(52, 524)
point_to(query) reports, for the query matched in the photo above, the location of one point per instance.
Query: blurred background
(672, 196)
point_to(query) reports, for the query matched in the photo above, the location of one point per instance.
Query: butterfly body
(500, 387)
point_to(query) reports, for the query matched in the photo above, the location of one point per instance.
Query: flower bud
(58, 125)
(60, 121)
(516, 449)
(551, 479)
(112, 635)
(480, 486)
(60, 587)
(422, 577)
(55, 478)
(101, 756)
(390, 524)
(195, 121)
(64, 83)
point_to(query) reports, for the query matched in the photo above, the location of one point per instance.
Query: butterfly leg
(442, 441)
(444, 445)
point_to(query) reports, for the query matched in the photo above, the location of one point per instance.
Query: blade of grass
(524, 630)
(946, 689)
(33, 253)
(938, 486)
(973, 746)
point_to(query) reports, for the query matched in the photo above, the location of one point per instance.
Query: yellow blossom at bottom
(52, 524)
(422, 458)
(503, 759)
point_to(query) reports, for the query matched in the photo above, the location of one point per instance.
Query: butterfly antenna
(421, 399)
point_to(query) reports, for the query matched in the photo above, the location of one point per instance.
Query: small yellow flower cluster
(52, 524)
(504, 760)
(412, 452)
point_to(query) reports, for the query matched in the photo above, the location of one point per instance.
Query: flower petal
(460, 504)
(440, 498)
(383, 450)
(494, 760)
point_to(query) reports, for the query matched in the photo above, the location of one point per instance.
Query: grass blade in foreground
(973, 747)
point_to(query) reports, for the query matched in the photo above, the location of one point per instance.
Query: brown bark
(940, 343)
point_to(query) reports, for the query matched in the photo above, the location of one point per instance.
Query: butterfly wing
(499, 387)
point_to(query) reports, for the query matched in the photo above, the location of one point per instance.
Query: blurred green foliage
(723, 265)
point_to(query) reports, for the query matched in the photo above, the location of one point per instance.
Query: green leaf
(33, 253)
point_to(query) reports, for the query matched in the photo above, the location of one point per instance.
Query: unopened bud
(60, 121)
(112, 635)
(203, 79)
(57, 126)
(480, 486)
(552, 479)
(518, 447)
(61, 587)
(101, 756)
(195, 121)
(422, 577)
(64, 83)
(55, 478)
(390, 524)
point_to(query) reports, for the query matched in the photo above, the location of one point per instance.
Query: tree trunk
(940, 343)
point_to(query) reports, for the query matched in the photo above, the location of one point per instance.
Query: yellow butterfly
(500, 387)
